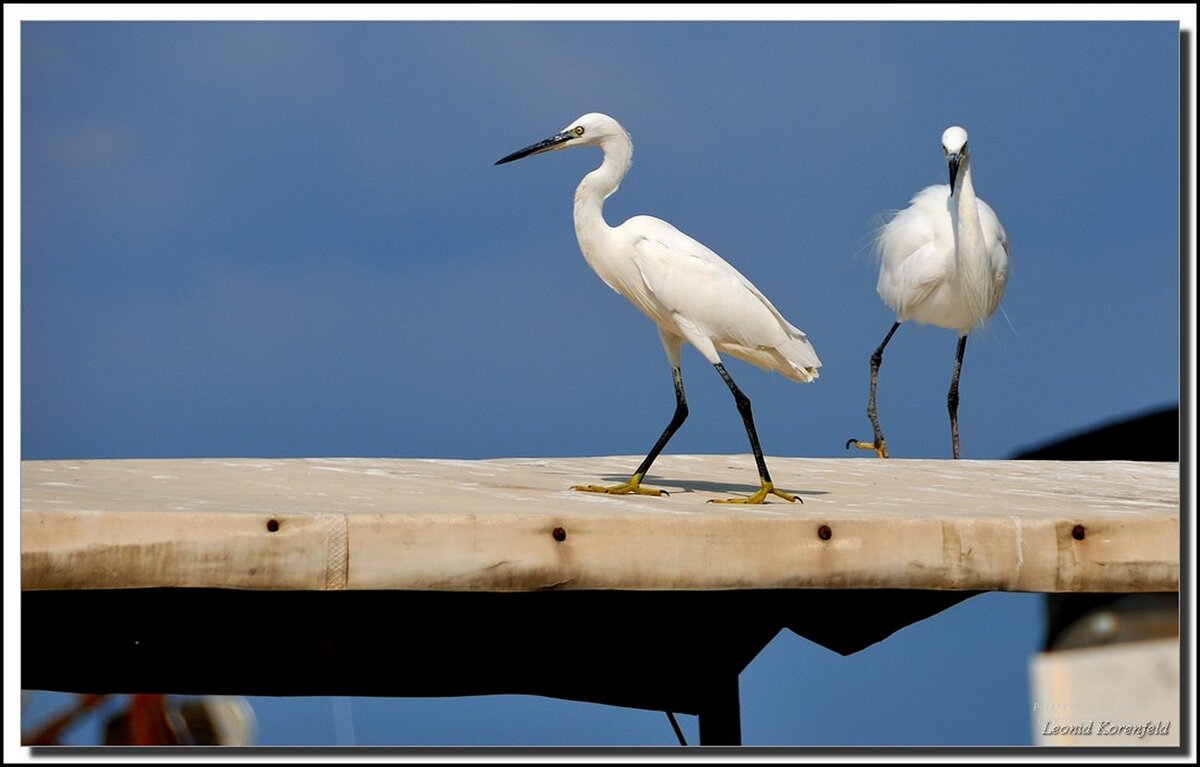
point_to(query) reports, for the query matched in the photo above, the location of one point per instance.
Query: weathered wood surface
(489, 525)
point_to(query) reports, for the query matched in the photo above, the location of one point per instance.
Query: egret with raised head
(687, 290)
(944, 262)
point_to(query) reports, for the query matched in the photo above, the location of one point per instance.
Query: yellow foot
(879, 447)
(768, 488)
(633, 486)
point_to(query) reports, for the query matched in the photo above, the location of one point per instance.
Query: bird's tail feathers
(798, 358)
(795, 360)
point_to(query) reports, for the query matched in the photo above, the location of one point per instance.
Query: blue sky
(289, 239)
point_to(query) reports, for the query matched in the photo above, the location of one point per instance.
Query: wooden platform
(514, 525)
(433, 577)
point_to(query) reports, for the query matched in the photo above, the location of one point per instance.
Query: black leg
(952, 397)
(681, 413)
(743, 406)
(876, 361)
(634, 483)
(879, 445)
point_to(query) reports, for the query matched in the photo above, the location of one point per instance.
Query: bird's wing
(920, 274)
(706, 298)
(915, 250)
(691, 281)
(995, 241)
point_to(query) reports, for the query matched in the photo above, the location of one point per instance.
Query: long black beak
(953, 160)
(545, 145)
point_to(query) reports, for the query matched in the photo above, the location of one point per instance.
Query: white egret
(689, 292)
(944, 262)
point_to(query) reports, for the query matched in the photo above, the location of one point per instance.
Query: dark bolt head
(824, 533)
(1079, 532)
(272, 525)
(559, 534)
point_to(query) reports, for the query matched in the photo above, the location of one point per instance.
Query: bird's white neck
(973, 268)
(966, 208)
(590, 226)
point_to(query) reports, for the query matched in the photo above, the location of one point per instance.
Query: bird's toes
(787, 496)
(880, 448)
(624, 489)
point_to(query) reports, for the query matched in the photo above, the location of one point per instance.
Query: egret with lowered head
(943, 261)
(689, 292)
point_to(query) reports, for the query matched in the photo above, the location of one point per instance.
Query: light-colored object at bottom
(233, 719)
(1113, 695)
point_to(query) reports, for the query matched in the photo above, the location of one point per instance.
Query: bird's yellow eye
(578, 130)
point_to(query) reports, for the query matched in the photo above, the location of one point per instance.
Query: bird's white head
(954, 146)
(592, 129)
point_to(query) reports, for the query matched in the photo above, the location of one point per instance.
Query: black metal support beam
(721, 717)
(661, 651)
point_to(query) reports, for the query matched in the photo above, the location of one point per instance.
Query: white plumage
(693, 294)
(944, 262)
(690, 292)
(944, 258)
